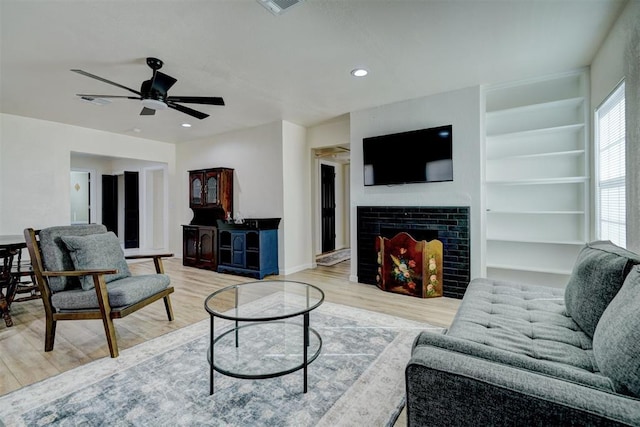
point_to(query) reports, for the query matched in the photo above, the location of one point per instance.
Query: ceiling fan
(153, 93)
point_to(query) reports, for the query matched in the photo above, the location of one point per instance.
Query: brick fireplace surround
(450, 223)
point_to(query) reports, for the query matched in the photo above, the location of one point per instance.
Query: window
(610, 168)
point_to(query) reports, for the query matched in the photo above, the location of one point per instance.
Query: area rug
(358, 379)
(334, 257)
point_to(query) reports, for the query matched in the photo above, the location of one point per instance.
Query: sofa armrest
(446, 388)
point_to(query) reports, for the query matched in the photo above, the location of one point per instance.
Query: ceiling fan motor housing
(149, 92)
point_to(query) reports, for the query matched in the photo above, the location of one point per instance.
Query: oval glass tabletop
(287, 299)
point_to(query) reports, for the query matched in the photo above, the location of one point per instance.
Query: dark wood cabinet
(210, 199)
(199, 246)
(249, 249)
(211, 188)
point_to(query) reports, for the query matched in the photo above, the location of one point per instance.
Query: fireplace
(448, 224)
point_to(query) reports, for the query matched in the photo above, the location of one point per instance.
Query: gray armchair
(82, 274)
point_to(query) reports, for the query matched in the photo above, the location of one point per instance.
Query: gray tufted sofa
(533, 355)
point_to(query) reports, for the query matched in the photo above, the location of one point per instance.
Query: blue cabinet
(249, 249)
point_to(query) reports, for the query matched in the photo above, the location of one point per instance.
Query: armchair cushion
(97, 251)
(616, 342)
(55, 255)
(122, 292)
(597, 276)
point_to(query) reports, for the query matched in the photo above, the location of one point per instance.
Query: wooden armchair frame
(105, 311)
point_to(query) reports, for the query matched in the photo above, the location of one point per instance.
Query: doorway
(80, 197)
(121, 207)
(328, 207)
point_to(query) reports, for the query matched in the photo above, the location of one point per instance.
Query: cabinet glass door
(212, 190)
(196, 191)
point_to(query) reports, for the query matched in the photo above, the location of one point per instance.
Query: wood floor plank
(23, 360)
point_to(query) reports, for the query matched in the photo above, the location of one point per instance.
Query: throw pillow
(616, 342)
(97, 251)
(55, 255)
(597, 276)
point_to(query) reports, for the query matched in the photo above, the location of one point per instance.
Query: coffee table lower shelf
(261, 350)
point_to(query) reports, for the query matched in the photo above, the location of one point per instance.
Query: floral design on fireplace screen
(409, 267)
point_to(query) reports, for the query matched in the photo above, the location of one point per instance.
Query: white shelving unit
(537, 178)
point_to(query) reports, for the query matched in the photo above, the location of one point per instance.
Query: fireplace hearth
(449, 224)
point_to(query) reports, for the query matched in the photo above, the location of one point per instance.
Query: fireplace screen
(408, 266)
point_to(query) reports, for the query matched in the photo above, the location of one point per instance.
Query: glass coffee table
(269, 334)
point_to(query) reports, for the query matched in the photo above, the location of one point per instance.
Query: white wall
(330, 133)
(35, 161)
(256, 156)
(296, 224)
(460, 108)
(616, 59)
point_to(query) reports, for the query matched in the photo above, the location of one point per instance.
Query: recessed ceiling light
(186, 125)
(359, 72)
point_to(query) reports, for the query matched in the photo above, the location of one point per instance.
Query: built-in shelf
(536, 175)
(570, 153)
(516, 212)
(543, 106)
(537, 241)
(530, 268)
(538, 131)
(535, 181)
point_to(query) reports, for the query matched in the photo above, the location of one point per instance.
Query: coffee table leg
(305, 348)
(211, 362)
(236, 316)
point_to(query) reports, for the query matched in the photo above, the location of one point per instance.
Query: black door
(328, 196)
(131, 210)
(110, 202)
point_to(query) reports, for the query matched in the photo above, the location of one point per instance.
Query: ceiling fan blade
(147, 111)
(162, 82)
(93, 76)
(209, 100)
(107, 96)
(190, 111)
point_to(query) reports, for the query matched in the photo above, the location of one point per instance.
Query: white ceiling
(292, 67)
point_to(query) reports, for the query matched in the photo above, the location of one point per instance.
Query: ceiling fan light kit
(153, 93)
(278, 7)
(154, 104)
(95, 101)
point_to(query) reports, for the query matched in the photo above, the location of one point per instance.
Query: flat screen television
(423, 155)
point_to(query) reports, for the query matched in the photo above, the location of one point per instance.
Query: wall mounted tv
(423, 155)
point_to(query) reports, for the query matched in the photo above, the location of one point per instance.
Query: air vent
(278, 7)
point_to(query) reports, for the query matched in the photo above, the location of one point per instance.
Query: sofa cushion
(122, 292)
(616, 342)
(524, 320)
(55, 255)
(97, 251)
(597, 276)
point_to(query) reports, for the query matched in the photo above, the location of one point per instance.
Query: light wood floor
(23, 360)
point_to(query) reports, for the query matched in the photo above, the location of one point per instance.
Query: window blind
(610, 166)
